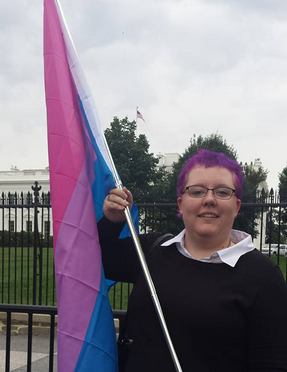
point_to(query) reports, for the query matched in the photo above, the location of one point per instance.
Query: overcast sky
(192, 67)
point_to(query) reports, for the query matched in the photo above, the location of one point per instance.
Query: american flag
(139, 116)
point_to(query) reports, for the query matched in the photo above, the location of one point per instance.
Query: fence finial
(36, 190)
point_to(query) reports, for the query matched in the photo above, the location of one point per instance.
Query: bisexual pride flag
(80, 178)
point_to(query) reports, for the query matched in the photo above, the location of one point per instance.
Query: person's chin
(207, 231)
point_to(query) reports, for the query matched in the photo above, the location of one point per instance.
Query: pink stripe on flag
(63, 115)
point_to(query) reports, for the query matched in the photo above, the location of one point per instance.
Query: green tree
(248, 217)
(277, 229)
(135, 165)
(283, 185)
(283, 199)
(253, 177)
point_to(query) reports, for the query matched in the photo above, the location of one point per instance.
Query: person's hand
(116, 202)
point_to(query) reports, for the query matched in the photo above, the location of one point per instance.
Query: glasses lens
(223, 193)
(197, 191)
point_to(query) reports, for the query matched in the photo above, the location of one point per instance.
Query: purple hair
(209, 159)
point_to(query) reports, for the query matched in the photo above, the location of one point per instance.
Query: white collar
(242, 244)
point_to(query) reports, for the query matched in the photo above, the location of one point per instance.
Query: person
(224, 302)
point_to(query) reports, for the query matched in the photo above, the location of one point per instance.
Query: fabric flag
(139, 116)
(80, 178)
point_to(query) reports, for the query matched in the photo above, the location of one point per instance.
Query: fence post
(36, 188)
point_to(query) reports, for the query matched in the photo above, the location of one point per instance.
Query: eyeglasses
(222, 193)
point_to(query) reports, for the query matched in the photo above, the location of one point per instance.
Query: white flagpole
(146, 272)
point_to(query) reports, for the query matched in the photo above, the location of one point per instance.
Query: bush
(24, 239)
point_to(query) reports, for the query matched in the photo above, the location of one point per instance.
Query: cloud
(191, 66)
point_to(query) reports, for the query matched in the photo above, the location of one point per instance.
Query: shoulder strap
(161, 239)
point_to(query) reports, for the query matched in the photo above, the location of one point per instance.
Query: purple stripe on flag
(78, 271)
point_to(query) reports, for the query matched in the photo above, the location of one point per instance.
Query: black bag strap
(161, 239)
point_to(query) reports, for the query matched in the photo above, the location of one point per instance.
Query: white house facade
(16, 180)
(167, 160)
(19, 216)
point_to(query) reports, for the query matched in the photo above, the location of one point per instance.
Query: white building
(22, 218)
(167, 160)
(16, 180)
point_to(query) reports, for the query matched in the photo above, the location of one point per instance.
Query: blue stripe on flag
(93, 356)
(104, 181)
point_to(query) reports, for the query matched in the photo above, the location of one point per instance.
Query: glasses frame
(207, 189)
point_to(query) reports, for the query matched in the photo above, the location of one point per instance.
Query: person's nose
(209, 198)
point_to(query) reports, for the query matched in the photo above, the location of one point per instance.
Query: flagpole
(145, 269)
(136, 119)
(134, 234)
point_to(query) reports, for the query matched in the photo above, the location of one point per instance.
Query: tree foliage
(277, 229)
(213, 142)
(247, 219)
(252, 179)
(24, 239)
(135, 165)
(283, 185)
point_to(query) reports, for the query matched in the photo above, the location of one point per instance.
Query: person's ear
(179, 204)
(238, 205)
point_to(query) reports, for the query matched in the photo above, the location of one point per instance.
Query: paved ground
(40, 347)
(40, 353)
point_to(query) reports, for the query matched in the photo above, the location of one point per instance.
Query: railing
(26, 254)
(31, 312)
(26, 258)
(27, 280)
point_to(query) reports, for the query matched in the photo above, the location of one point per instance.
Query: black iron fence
(30, 312)
(47, 317)
(26, 255)
(27, 280)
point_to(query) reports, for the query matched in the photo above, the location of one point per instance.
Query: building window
(29, 226)
(11, 226)
(28, 198)
(47, 228)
